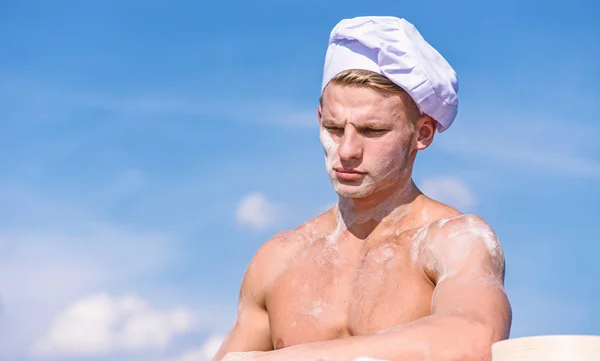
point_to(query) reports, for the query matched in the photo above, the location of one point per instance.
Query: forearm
(438, 338)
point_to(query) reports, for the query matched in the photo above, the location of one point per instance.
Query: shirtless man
(387, 273)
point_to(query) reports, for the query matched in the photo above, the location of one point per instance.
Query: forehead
(352, 103)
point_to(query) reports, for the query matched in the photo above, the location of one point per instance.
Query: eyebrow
(367, 124)
(375, 124)
(330, 121)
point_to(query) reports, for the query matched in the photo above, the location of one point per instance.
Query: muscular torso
(329, 284)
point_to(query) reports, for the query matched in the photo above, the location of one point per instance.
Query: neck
(362, 215)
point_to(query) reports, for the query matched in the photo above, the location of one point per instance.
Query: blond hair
(379, 83)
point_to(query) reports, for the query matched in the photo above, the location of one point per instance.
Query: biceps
(482, 299)
(251, 332)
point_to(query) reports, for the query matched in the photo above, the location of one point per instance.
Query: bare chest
(330, 292)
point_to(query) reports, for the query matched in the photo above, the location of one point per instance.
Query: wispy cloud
(540, 313)
(547, 147)
(542, 284)
(46, 102)
(450, 190)
(526, 157)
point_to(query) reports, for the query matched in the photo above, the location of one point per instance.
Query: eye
(374, 131)
(334, 129)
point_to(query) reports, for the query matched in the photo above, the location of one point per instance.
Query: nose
(350, 146)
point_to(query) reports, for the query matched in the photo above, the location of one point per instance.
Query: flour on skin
(450, 241)
(308, 305)
(388, 209)
(480, 229)
(383, 255)
(386, 171)
(382, 173)
(317, 308)
(417, 241)
(339, 228)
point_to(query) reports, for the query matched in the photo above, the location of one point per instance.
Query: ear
(425, 131)
(320, 113)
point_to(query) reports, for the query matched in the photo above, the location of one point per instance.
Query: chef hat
(394, 48)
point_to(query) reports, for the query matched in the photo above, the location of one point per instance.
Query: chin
(352, 191)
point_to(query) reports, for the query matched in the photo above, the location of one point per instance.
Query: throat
(362, 215)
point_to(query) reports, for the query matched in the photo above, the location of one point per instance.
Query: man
(387, 273)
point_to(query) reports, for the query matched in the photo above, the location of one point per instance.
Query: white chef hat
(394, 48)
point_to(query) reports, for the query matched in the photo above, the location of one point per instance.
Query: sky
(148, 149)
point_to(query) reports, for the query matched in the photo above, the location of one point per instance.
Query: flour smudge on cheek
(330, 147)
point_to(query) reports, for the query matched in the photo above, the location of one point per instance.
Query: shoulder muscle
(463, 245)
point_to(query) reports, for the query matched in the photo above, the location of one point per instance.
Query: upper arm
(251, 330)
(464, 258)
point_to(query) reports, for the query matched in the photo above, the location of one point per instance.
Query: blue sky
(148, 149)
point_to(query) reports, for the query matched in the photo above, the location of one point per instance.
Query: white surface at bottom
(548, 348)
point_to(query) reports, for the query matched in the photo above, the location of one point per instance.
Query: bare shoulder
(271, 259)
(251, 330)
(460, 244)
(268, 259)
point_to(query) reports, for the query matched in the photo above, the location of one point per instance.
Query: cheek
(388, 157)
(328, 143)
(387, 151)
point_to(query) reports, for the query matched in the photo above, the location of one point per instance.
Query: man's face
(367, 139)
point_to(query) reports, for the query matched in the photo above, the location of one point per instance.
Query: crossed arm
(470, 310)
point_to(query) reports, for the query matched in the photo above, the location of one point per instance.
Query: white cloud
(41, 272)
(451, 191)
(74, 252)
(203, 353)
(255, 211)
(101, 324)
(71, 252)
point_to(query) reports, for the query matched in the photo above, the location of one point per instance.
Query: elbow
(480, 349)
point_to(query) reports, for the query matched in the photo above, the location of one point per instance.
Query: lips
(347, 170)
(348, 174)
